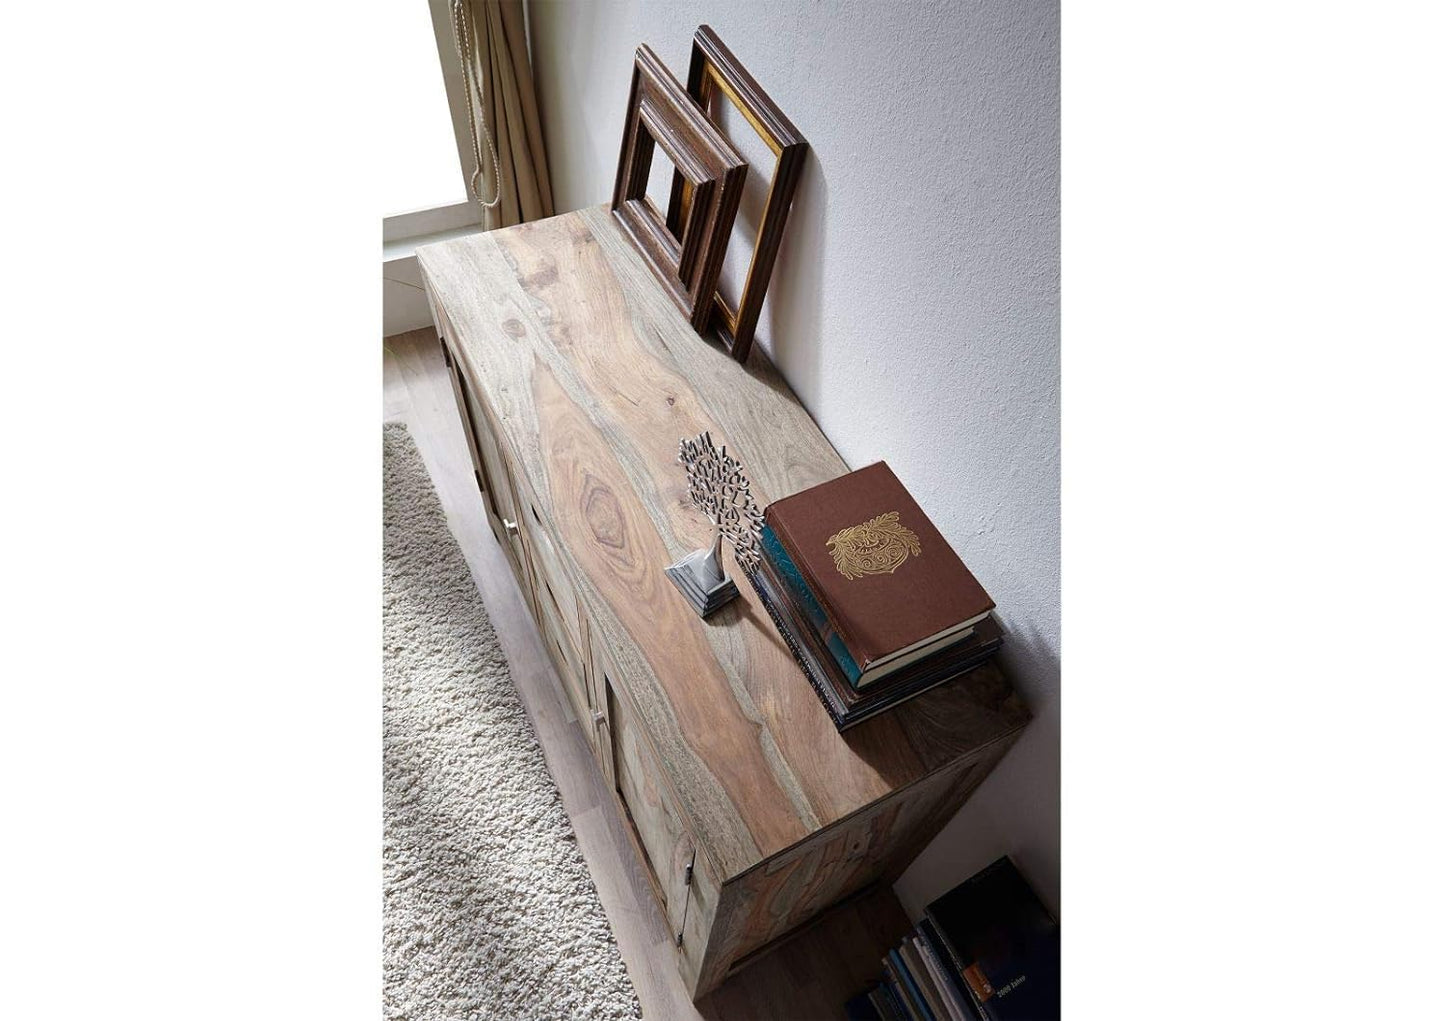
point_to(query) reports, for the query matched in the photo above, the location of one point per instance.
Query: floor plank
(807, 977)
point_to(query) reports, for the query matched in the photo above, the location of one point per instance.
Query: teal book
(910, 987)
(788, 572)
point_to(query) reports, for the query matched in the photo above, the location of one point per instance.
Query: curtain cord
(464, 35)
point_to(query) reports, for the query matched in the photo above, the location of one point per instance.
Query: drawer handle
(686, 882)
(597, 717)
(510, 526)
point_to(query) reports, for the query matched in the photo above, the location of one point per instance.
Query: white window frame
(403, 305)
(441, 21)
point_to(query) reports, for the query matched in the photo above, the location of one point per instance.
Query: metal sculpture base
(696, 576)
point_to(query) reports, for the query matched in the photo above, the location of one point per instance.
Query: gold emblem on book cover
(879, 546)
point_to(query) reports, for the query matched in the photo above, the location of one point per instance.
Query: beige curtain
(504, 109)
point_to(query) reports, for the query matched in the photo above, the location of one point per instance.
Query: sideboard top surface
(594, 376)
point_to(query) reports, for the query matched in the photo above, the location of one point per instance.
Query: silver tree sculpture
(717, 487)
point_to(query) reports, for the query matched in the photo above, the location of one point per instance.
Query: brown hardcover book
(891, 586)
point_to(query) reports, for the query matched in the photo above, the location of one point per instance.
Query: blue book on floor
(953, 988)
(910, 986)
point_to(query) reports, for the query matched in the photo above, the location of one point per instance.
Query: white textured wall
(915, 307)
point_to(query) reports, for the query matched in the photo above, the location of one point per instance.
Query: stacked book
(987, 950)
(874, 604)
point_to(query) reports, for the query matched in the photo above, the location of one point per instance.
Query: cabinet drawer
(656, 822)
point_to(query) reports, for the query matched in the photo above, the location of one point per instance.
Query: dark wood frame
(714, 69)
(686, 260)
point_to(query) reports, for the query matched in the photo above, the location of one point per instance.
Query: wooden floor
(808, 977)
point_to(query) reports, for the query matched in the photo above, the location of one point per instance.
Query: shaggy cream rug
(489, 910)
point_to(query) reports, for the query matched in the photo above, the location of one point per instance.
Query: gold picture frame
(714, 70)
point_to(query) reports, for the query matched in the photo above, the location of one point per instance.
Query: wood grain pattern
(811, 973)
(654, 813)
(870, 847)
(587, 374)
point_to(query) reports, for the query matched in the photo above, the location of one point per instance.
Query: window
(421, 166)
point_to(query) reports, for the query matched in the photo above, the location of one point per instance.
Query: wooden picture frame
(688, 260)
(713, 70)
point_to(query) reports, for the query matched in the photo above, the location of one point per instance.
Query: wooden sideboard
(575, 377)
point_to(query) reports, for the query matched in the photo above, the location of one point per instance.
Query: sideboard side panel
(776, 897)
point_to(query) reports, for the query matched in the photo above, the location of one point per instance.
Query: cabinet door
(599, 674)
(547, 571)
(496, 477)
(564, 653)
(464, 413)
(666, 844)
